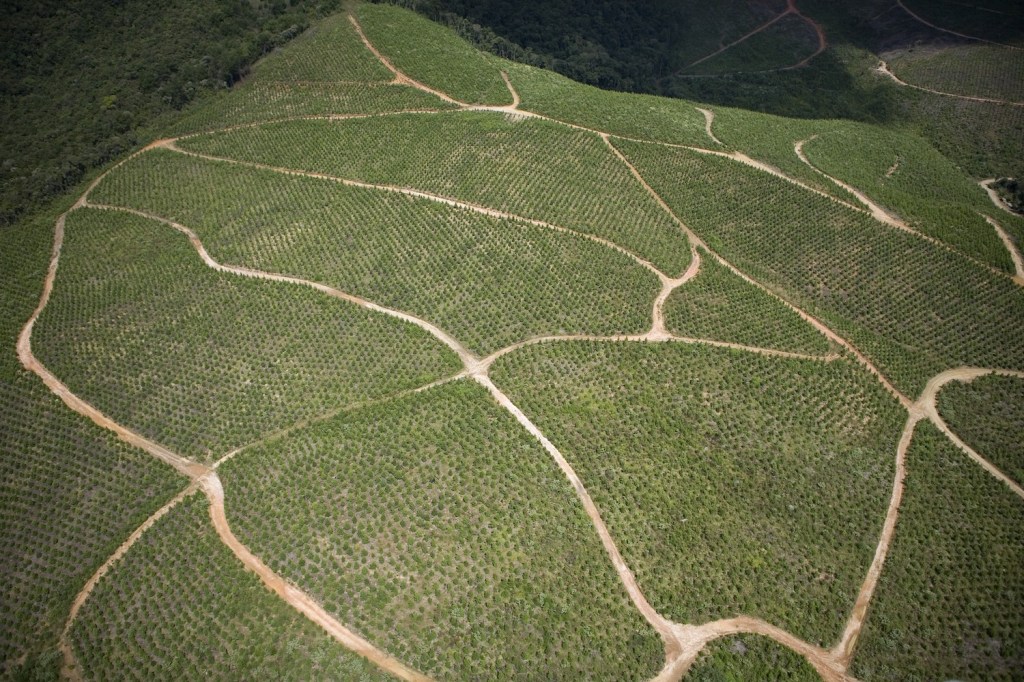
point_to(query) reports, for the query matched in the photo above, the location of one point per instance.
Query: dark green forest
(82, 82)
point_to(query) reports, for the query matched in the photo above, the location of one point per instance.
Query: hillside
(399, 359)
(811, 59)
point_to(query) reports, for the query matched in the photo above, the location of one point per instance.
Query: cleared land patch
(178, 605)
(439, 529)
(489, 282)
(951, 597)
(532, 168)
(733, 482)
(203, 361)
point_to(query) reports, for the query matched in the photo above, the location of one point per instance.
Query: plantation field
(988, 414)
(517, 166)
(490, 282)
(426, 51)
(178, 605)
(439, 528)
(976, 70)
(257, 101)
(472, 372)
(728, 478)
(913, 308)
(329, 52)
(71, 492)
(719, 305)
(743, 657)
(204, 362)
(908, 177)
(626, 114)
(950, 601)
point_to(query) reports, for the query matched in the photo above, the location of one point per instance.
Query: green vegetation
(732, 482)
(719, 305)
(950, 601)
(440, 529)
(70, 492)
(914, 308)
(202, 361)
(489, 282)
(426, 52)
(750, 657)
(643, 116)
(988, 415)
(533, 168)
(83, 82)
(907, 176)
(179, 605)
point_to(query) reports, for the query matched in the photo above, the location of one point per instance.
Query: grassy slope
(441, 530)
(988, 414)
(179, 606)
(488, 282)
(203, 361)
(733, 483)
(951, 597)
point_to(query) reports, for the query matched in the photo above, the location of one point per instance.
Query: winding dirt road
(813, 321)
(923, 408)
(709, 121)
